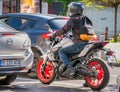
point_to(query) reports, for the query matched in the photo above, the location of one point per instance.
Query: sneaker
(61, 69)
(69, 71)
(85, 84)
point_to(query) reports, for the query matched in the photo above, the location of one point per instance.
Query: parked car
(16, 56)
(36, 26)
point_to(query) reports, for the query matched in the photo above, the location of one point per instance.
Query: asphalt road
(34, 85)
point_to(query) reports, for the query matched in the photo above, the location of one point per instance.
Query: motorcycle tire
(103, 76)
(45, 72)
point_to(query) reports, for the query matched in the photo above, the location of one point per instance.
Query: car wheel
(32, 73)
(6, 80)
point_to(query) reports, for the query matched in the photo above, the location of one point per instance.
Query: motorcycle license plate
(111, 59)
(10, 62)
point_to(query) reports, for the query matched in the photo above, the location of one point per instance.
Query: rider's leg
(64, 52)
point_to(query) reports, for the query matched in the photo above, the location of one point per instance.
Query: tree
(107, 3)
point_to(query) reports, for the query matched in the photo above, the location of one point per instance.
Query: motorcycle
(86, 63)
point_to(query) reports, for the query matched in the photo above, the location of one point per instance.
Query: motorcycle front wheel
(102, 77)
(45, 71)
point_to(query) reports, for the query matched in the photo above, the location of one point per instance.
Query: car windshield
(56, 24)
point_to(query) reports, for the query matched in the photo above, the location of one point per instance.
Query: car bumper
(26, 60)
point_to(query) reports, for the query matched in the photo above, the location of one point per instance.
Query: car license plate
(10, 62)
(111, 59)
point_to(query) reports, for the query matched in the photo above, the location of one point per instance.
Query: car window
(46, 26)
(56, 24)
(21, 23)
(14, 22)
(4, 20)
(27, 24)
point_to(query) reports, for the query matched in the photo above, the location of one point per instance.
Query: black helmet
(75, 8)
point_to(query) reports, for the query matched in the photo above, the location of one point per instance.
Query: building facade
(103, 18)
(23, 6)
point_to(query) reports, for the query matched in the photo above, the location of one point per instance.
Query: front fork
(47, 61)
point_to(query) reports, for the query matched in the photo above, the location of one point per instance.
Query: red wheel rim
(47, 73)
(97, 81)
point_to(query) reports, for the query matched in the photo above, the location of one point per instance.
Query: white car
(16, 55)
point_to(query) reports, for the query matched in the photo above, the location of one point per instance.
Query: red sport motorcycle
(86, 63)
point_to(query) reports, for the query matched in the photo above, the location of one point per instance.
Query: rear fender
(85, 50)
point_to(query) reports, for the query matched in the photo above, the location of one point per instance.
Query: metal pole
(17, 6)
(40, 4)
(10, 7)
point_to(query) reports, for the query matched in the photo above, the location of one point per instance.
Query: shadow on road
(40, 88)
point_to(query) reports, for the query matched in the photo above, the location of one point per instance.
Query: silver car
(15, 53)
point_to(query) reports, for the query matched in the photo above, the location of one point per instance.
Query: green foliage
(49, 1)
(118, 38)
(118, 61)
(111, 40)
(65, 2)
(105, 3)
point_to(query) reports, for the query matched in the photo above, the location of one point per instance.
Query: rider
(82, 31)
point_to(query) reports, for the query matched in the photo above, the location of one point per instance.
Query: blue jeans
(72, 49)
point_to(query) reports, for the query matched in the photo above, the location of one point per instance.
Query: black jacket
(79, 25)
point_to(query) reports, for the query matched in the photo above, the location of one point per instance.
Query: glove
(52, 38)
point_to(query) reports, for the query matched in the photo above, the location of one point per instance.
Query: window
(57, 24)
(9, 6)
(46, 26)
(14, 22)
(4, 20)
(27, 24)
(20, 23)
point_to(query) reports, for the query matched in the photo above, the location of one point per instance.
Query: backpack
(87, 31)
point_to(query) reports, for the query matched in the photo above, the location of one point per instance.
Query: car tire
(32, 73)
(8, 79)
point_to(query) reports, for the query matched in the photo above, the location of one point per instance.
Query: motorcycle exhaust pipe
(84, 72)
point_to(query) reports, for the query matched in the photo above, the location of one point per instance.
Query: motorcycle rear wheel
(45, 72)
(101, 80)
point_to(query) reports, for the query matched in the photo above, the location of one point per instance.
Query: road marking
(26, 82)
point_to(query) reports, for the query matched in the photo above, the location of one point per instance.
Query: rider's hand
(52, 38)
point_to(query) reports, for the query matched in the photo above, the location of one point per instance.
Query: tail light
(95, 39)
(47, 35)
(104, 43)
(110, 53)
(65, 18)
(8, 34)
